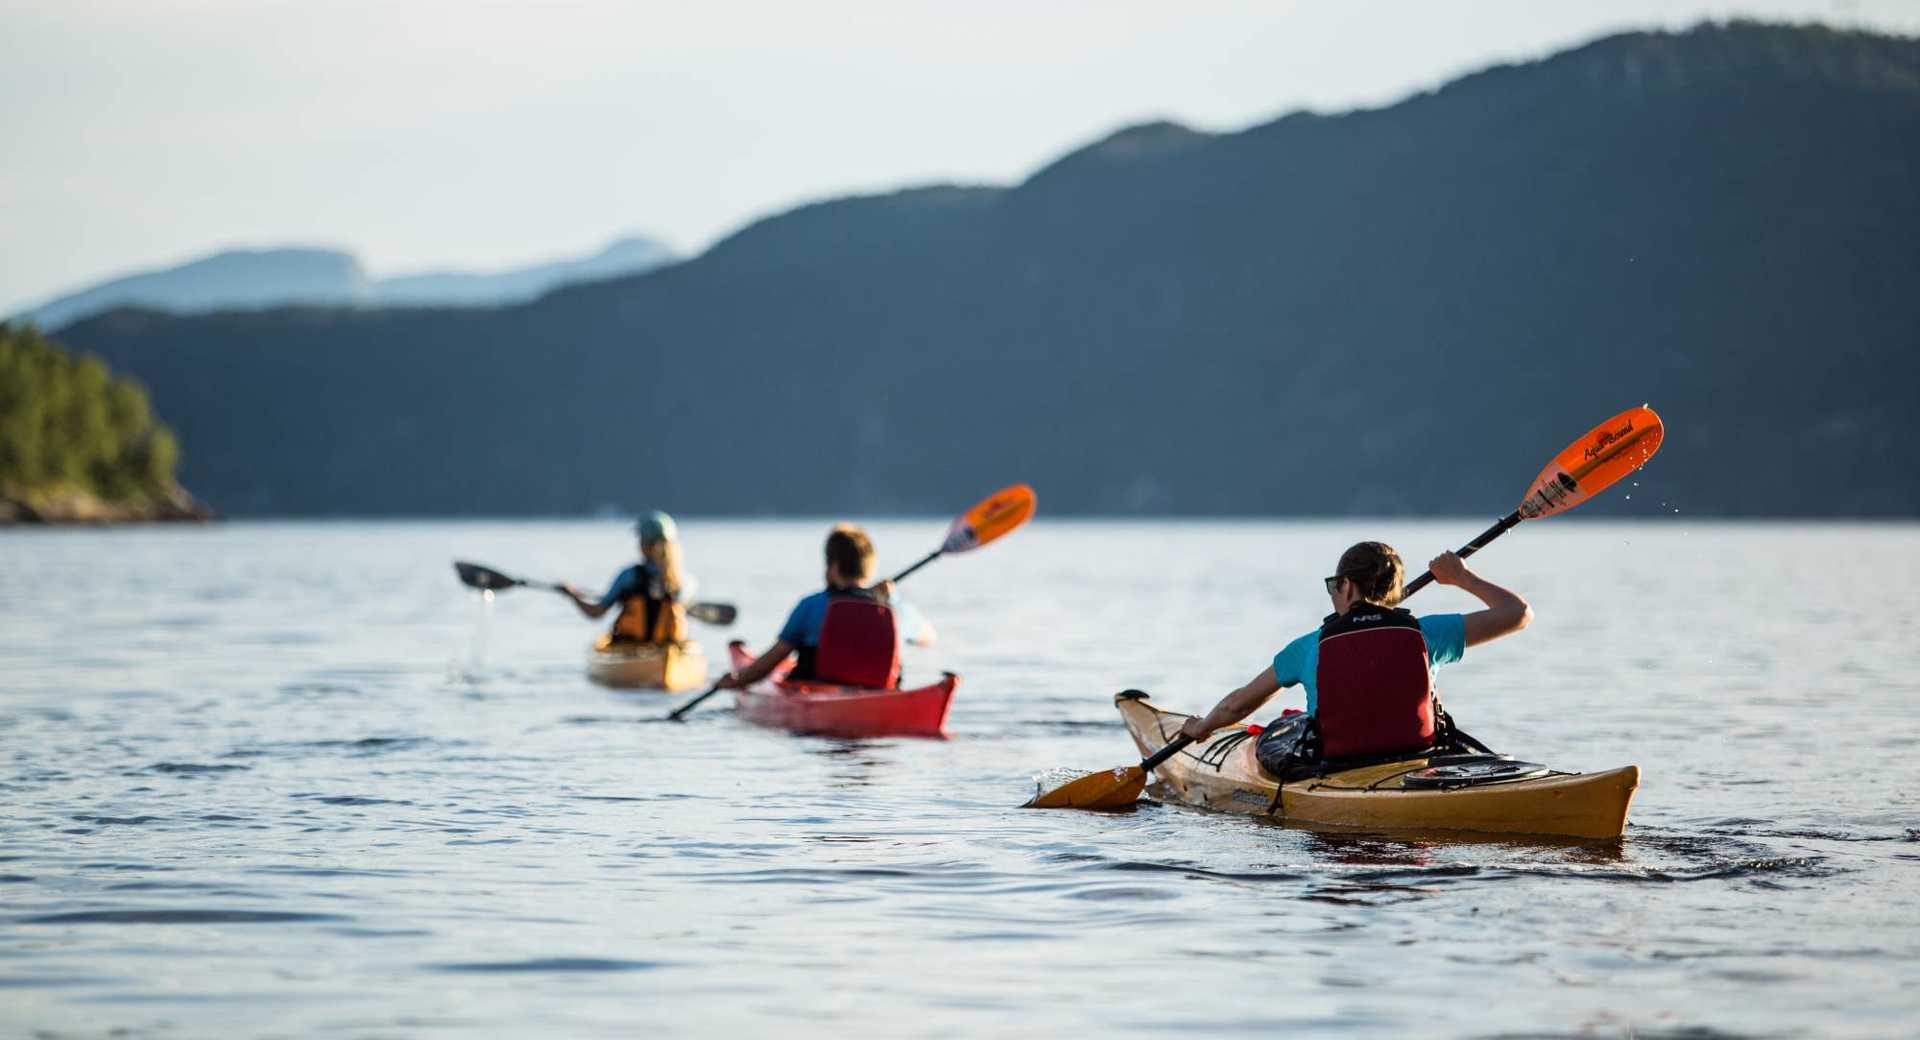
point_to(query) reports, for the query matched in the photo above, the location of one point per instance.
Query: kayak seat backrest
(1375, 691)
(859, 645)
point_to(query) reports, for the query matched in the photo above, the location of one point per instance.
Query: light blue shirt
(641, 579)
(1446, 636)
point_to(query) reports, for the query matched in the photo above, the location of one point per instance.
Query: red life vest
(859, 644)
(1375, 690)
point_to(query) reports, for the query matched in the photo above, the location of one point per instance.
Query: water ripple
(178, 917)
(547, 964)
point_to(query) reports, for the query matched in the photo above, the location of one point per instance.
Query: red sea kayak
(842, 711)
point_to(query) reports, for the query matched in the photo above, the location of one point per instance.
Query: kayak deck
(674, 667)
(828, 709)
(1215, 774)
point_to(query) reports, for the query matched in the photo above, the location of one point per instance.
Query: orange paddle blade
(1608, 452)
(999, 513)
(1114, 789)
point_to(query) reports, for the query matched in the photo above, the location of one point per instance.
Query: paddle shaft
(1505, 524)
(923, 561)
(1173, 746)
(522, 583)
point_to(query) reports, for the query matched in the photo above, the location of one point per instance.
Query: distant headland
(80, 445)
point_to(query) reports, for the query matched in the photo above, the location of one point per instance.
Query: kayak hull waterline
(1580, 805)
(843, 711)
(673, 667)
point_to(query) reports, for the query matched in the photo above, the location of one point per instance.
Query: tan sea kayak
(1221, 773)
(676, 666)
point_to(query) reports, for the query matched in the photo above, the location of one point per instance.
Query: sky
(486, 133)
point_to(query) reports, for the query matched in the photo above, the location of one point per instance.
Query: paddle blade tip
(1113, 789)
(1593, 463)
(713, 613)
(995, 516)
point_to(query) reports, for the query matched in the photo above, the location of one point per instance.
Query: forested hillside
(1391, 311)
(76, 443)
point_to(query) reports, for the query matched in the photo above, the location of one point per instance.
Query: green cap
(655, 526)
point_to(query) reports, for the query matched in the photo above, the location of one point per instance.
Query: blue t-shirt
(803, 625)
(1446, 636)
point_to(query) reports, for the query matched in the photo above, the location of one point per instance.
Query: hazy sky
(136, 133)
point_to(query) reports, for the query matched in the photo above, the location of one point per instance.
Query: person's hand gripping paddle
(994, 517)
(1587, 467)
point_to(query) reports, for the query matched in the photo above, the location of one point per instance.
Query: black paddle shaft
(924, 560)
(1502, 526)
(1172, 748)
(675, 714)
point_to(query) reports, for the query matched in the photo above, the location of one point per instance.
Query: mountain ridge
(268, 277)
(1391, 310)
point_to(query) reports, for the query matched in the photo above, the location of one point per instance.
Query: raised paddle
(993, 517)
(486, 579)
(1588, 466)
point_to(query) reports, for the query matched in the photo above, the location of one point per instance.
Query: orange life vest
(644, 619)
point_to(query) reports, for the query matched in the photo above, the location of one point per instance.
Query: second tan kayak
(673, 666)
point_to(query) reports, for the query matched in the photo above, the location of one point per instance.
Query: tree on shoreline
(70, 429)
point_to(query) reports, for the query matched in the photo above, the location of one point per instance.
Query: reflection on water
(299, 781)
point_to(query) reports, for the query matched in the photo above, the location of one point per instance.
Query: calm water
(293, 780)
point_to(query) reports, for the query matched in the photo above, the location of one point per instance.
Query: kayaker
(649, 593)
(1368, 669)
(846, 633)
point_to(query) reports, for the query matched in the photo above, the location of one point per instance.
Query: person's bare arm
(590, 607)
(1235, 706)
(1506, 612)
(759, 668)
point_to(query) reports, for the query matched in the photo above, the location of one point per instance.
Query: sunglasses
(1333, 584)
